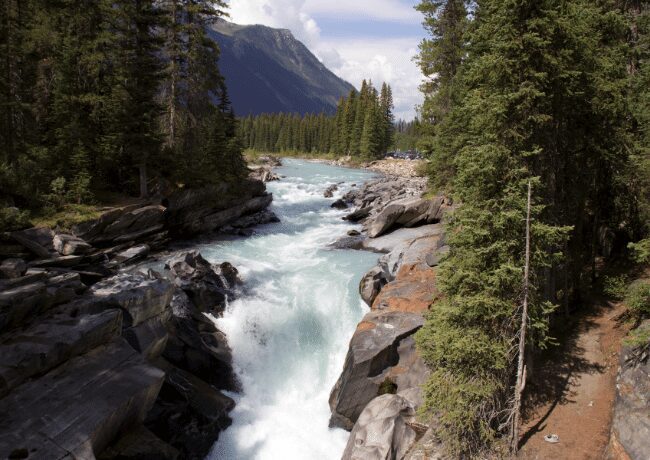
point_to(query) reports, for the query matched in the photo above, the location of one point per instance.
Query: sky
(355, 39)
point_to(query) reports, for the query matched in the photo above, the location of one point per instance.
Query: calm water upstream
(290, 332)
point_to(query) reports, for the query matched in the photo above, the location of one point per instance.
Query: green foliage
(637, 299)
(12, 219)
(640, 251)
(615, 286)
(387, 387)
(521, 91)
(362, 127)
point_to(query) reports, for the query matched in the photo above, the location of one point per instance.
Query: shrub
(615, 286)
(12, 219)
(638, 299)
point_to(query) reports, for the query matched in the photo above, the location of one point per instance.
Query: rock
(139, 444)
(205, 285)
(385, 220)
(36, 240)
(22, 303)
(631, 422)
(263, 173)
(197, 346)
(329, 192)
(358, 215)
(384, 430)
(429, 447)
(189, 414)
(339, 204)
(433, 259)
(139, 296)
(354, 233)
(149, 338)
(130, 255)
(48, 343)
(134, 221)
(60, 261)
(348, 242)
(260, 218)
(415, 212)
(12, 268)
(401, 238)
(371, 285)
(77, 409)
(373, 349)
(68, 245)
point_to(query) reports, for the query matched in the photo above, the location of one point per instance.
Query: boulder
(354, 233)
(385, 220)
(68, 245)
(78, 409)
(631, 421)
(371, 285)
(339, 204)
(207, 286)
(428, 447)
(48, 343)
(415, 212)
(189, 414)
(260, 218)
(140, 296)
(358, 215)
(329, 191)
(39, 240)
(373, 350)
(130, 255)
(384, 430)
(12, 268)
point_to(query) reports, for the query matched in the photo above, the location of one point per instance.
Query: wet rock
(68, 245)
(329, 191)
(631, 422)
(260, 218)
(206, 286)
(383, 431)
(197, 346)
(140, 296)
(189, 413)
(77, 409)
(348, 242)
(339, 204)
(12, 268)
(354, 233)
(373, 349)
(48, 343)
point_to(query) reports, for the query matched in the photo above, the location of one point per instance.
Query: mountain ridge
(268, 70)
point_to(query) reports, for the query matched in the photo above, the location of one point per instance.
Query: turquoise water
(290, 331)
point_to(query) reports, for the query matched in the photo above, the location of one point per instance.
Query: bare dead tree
(521, 365)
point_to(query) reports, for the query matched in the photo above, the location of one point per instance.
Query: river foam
(289, 332)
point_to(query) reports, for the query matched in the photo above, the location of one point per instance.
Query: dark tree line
(105, 95)
(362, 127)
(532, 91)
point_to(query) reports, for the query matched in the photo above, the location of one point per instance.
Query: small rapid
(290, 330)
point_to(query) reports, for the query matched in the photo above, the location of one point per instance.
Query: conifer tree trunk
(521, 365)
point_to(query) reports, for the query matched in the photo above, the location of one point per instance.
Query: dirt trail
(572, 395)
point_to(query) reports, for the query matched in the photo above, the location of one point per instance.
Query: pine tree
(388, 119)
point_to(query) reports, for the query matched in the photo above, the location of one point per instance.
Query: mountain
(268, 71)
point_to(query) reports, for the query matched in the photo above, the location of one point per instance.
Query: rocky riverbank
(378, 392)
(97, 361)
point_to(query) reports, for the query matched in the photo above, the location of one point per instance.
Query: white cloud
(378, 59)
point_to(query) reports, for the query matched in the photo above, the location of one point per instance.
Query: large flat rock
(48, 343)
(373, 351)
(77, 409)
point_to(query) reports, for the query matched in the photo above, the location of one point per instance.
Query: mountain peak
(268, 70)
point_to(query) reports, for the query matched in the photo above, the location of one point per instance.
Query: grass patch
(69, 216)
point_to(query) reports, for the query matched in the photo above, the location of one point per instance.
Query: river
(289, 332)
